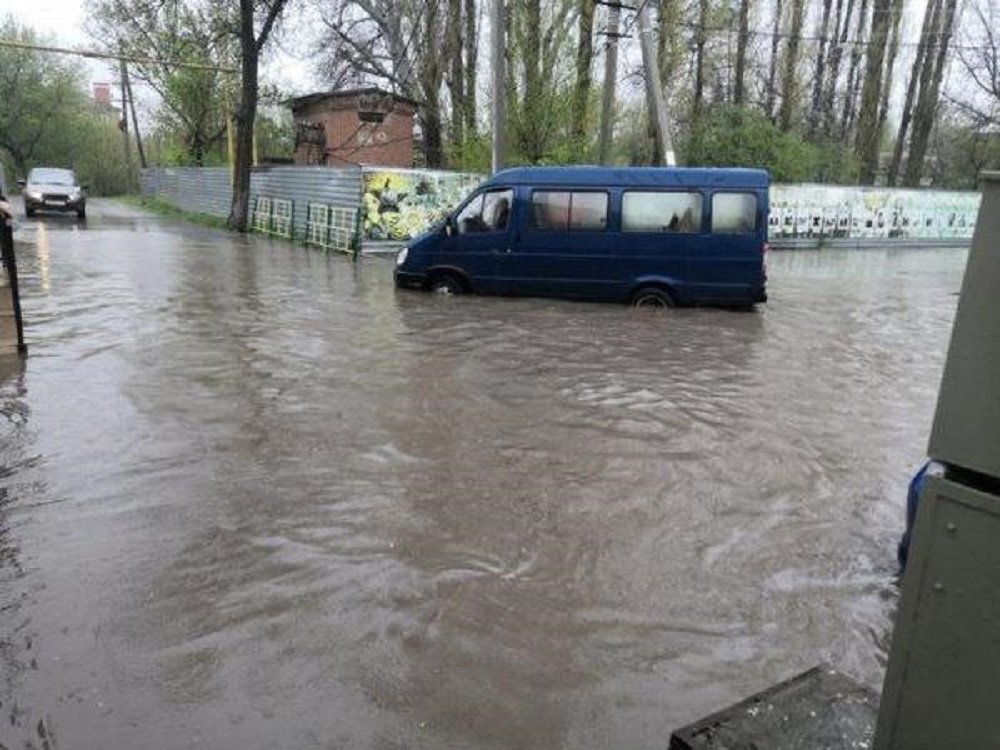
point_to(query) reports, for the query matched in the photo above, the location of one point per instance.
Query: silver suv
(50, 189)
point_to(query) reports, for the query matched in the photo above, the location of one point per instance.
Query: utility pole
(610, 78)
(498, 82)
(135, 121)
(654, 88)
(124, 121)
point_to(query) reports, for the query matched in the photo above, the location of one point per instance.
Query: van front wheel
(447, 284)
(652, 296)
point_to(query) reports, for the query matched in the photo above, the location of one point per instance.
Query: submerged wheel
(652, 296)
(446, 284)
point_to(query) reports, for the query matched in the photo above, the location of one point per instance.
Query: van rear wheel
(652, 297)
(447, 284)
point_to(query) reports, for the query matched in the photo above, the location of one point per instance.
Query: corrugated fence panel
(207, 190)
(333, 186)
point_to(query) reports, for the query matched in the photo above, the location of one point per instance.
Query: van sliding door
(564, 248)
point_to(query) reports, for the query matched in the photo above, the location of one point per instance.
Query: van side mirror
(22, 183)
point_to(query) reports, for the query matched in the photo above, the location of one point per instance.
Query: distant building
(359, 126)
(102, 93)
(103, 104)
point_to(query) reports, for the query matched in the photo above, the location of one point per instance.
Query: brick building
(360, 126)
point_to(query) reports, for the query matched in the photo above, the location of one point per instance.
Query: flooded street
(253, 497)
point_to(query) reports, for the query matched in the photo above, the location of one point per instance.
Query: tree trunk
(739, 93)
(456, 79)
(431, 74)
(471, 52)
(851, 92)
(245, 116)
(838, 41)
(700, 38)
(817, 92)
(923, 117)
(883, 109)
(789, 89)
(584, 62)
(869, 136)
(930, 22)
(610, 80)
(670, 48)
(773, 71)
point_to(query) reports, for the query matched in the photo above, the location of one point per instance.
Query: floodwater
(253, 497)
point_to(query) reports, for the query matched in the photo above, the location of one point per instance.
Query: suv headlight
(35, 195)
(401, 257)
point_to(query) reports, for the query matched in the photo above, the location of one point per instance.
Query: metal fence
(396, 204)
(208, 190)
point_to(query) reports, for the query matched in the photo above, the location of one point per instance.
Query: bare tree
(893, 51)
(471, 53)
(584, 64)
(928, 98)
(742, 38)
(853, 80)
(979, 58)
(820, 70)
(700, 39)
(251, 44)
(920, 59)
(789, 84)
(773, 68)
(456, 73)
(869, 136)
(840, 34)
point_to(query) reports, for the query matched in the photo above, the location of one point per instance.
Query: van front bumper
(410, 279)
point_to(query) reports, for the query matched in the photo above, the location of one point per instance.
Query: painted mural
(823, 211)
(401, 203)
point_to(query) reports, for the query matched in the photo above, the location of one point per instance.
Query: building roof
(301, 101)
(591, 176)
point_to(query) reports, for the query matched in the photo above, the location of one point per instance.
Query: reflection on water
(273, 502)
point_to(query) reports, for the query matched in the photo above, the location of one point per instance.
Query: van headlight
(401, 257)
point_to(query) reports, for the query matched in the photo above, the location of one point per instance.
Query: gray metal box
(942, 686)
(966, 428)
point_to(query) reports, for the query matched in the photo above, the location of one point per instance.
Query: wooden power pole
(123, 123)
(135, 121)
(654, 87)
(610, 79)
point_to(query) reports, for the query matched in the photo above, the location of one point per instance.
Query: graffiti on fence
(818, 211)
(398, 204)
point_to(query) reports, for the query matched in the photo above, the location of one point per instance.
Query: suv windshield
(52, 176)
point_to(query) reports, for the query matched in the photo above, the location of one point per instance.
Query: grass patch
(162, 208)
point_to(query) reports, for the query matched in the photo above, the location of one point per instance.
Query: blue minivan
(650, 236)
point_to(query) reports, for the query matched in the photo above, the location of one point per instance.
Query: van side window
(488, 212)
(661, 212)
(569, 211)
(734, 213)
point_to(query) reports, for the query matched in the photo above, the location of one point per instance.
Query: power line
(112, 56)
(815, 38)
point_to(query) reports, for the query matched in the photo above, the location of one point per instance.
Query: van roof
(592, 176)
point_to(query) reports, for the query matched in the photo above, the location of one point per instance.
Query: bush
(740, 137)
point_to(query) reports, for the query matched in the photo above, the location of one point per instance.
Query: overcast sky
(63, 20)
